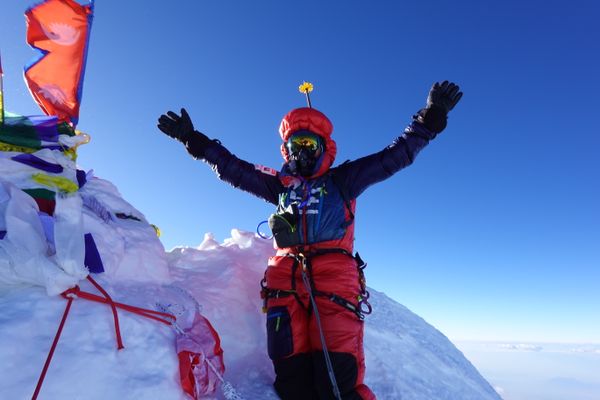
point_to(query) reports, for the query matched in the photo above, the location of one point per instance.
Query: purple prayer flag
(92, 256)
(81, 178)
(36, 162)
(45, 127)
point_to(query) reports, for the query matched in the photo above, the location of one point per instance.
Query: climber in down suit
(314, 288)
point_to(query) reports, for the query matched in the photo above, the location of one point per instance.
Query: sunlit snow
(406, 358)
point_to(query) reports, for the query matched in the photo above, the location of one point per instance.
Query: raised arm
(358, 175)
(259, 181)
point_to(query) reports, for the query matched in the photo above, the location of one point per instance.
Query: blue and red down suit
(325, 236)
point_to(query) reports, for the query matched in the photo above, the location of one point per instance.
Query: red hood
(314, 121)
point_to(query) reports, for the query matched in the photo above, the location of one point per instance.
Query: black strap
(340, 301)
(333, 250)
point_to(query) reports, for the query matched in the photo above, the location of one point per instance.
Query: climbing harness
(361, 308)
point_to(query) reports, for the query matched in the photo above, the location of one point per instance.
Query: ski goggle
(308, 141)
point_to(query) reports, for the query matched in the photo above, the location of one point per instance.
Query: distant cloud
(520, 347)
(585, 349)
(551, 348)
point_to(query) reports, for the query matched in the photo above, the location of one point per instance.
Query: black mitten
(181, 128)
(441, 99)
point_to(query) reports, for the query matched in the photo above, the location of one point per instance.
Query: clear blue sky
(493, 233)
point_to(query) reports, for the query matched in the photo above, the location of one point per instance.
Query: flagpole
(1, 95)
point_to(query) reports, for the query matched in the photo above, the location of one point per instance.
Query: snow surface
(406, 357)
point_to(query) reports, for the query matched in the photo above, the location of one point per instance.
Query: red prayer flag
(60, 30)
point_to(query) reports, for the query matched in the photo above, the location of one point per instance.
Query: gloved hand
(181, 128)
(444, 96)
(441, 99)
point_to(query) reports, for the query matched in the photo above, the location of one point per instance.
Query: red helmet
(309, 119)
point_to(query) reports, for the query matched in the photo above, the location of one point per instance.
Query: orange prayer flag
(60, 30)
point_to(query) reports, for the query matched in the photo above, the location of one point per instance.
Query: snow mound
(127, 243)
(406, 357)
(45, 247)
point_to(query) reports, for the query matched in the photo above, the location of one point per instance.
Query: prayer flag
(59, 29)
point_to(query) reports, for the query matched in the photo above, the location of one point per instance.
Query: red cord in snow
(76, 292)
(114, 310)
(51, 353)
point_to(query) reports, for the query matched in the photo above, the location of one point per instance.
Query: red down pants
(294, 342)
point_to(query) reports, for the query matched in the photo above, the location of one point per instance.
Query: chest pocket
(329, 220)
(311, 213)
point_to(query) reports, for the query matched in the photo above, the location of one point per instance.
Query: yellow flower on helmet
(306, 87)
